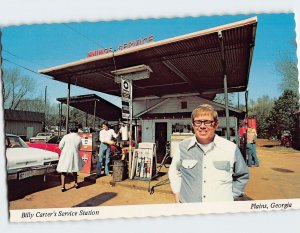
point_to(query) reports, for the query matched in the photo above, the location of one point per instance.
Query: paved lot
(278, 177)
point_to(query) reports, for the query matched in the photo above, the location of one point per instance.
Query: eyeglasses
(206, 123)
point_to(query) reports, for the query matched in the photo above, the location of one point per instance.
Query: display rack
(144, 162)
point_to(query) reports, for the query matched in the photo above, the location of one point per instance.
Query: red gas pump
(88, 149)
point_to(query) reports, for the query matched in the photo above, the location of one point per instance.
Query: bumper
(23, 173)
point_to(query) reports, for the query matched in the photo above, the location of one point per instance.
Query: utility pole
(45, 108)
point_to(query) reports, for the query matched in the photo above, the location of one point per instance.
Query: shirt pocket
(222, 165)
(222, 172)
(189, 163)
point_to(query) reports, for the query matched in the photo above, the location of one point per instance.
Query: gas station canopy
(93, 104)
(190, 63)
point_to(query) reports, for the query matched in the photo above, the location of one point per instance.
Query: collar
(193, 142)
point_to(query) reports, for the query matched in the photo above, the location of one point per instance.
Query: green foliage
(282, 116)
(261, 109)
(286, 67)
(32, 105)
(84, 119)
(220, 98)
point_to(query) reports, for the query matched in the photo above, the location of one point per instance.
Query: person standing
(251, 148)
(106, 137)
(207, 167)
(70, 161)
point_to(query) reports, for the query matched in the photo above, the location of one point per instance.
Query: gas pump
(89, 149)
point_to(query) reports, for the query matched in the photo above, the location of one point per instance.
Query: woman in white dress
(70, 161)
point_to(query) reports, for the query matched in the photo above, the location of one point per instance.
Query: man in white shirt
(207, 167)
(106, 136)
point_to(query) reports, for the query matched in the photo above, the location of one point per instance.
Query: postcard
(100, 119)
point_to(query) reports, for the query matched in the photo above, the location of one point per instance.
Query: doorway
(161, 139)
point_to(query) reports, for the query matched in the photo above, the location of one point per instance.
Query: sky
(34, 47)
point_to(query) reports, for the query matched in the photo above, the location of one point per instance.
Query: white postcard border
(153, 210)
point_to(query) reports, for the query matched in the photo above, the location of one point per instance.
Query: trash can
(119, 170)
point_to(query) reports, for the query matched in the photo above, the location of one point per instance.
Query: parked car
(24, 161)
(41, 137)
(50, 145)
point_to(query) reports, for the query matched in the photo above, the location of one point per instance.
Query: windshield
(14, 142)
(43, 134)
(54, 139)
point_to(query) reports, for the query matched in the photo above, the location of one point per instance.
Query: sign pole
(126, 76)
(130, 131)
(126, 94)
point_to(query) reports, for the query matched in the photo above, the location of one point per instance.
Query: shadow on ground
(20, 188)
(269, 146)
(280, 146)
(97, 200)
(244, 198)
(282, 170)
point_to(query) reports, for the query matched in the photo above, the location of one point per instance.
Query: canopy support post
(246, 100)
(60, 118)
(94, 120)
(68, 108)
(225, 83)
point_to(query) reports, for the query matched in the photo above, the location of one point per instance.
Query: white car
(24, 162)
(41, 137)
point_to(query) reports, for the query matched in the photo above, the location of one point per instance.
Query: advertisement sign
(126, 95)
(127, 45)
(86, 156)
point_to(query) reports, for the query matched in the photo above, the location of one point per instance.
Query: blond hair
(205, 108)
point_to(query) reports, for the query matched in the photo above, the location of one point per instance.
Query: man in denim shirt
(207, 167)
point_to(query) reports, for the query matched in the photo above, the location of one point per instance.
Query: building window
(183, 105)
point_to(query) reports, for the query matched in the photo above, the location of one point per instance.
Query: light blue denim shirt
(220, 174)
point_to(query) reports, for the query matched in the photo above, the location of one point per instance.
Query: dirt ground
(278, 177)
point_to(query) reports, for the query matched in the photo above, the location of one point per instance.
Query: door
(161, 137)
(29, 132)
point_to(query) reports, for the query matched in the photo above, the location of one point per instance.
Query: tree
(82, 118)
(32, 105)
(16, 87)
(261, 109)
(220, 98)
(282, 116)
(286, 67)
(77, 115)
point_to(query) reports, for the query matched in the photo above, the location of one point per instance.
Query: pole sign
(126, 94)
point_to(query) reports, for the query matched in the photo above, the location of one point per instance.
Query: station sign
(126, 96)
(126, 45)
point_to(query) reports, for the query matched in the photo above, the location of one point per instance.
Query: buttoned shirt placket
(204, 168)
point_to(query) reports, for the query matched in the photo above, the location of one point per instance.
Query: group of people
(205, 168)
(70, 160)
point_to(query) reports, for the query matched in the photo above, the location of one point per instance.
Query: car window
(14, 142)
(53, 140)
(43, 134)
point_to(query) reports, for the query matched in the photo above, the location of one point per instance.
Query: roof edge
(236, 24)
